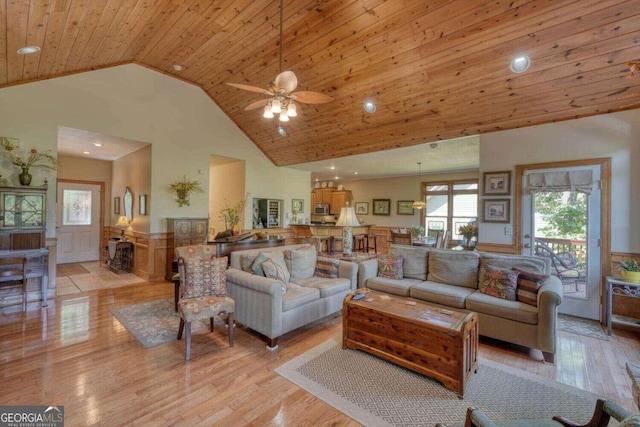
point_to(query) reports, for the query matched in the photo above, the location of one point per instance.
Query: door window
(76, 207)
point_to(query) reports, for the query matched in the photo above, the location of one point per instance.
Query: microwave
(321, 209)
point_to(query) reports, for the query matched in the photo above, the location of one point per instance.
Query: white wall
(614, 135)
(181, 122)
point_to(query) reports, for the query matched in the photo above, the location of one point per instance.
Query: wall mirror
(127, 202)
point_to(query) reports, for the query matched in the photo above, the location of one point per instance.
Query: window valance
(557, 182)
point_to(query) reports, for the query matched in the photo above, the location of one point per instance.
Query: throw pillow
(632, 421)
(499, 282)
(301, 262)
(277, 257)
(274, 271)
(256, 266)
(390, 266)
(327, 267)
(529, 284)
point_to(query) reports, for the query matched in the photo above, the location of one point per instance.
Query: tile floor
(81, 277)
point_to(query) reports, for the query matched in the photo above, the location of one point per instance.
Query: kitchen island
(328, 230)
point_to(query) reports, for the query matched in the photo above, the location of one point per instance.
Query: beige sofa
(261, 304)
(451, 278)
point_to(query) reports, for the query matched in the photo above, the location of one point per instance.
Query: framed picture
(297, 205)
(497, 183)
(495, 210)
(405, 207)
(142, 205)
(362, 208)
(116, 205)
(382, 206)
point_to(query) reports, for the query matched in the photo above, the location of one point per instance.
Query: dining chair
(400, 238)
(15, 269)
(203, 294)
(446, 239)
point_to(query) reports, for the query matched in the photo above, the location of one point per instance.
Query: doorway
(561, 221)
(78, 217)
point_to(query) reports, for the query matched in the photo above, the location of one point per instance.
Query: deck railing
(577, 247)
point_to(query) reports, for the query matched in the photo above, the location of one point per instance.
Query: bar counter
(331, 229)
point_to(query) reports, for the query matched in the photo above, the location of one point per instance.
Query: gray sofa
(451, 278)
(261, 304)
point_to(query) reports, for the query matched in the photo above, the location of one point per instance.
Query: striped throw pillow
(326, 267)
(529, 284)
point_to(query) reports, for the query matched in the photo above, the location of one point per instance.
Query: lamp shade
(122, 222)
(347, 218)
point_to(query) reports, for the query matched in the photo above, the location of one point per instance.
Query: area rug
(153, 323)
(378, 393)
(581, 326)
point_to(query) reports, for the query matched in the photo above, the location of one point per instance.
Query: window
(76, 206)
(451, 204)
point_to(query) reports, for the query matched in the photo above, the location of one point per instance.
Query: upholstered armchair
(203, 294)
(604, 411)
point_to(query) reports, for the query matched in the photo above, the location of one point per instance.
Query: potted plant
(418, 231)
(232, 215)
(630, 271)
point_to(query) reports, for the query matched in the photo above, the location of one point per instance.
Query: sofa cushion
(512, 310)
(439, 293)
(414, 265)
(529, 263)
(301, 262)
(458, 268)
(392, 286)
(247, 260)
(256, 266)
(274, 271)
(327, 287)
(498, 282)
(298, 296)
(390, 266)
(529, 284)
(326, 267)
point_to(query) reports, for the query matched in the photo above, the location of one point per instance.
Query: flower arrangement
(183, 189)
(232, 215)
(417, 230)
(629, 265)
(468, 231)
(36, 159)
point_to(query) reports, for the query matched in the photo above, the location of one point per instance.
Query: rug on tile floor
(581, 326)
(375, 392)
(153, 323)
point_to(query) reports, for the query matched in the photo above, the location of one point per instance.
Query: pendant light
(419, 204)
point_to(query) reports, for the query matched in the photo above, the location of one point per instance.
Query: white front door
(78, 228)
(577, 259)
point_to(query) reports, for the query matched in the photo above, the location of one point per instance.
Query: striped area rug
(378, 393)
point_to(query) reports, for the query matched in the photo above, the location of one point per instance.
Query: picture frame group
(405, 207)
(362, 208)
(496, 183)
(495, 210)
(382, 207)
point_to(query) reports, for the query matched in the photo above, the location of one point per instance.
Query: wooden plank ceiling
(436, 69)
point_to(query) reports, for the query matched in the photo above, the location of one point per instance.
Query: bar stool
(372, 238)
(360, 243)
(335, 239)
(324, 242)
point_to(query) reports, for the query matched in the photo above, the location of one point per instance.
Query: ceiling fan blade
(257, 104)
(287, 81)
(250, 88)
(307, 97)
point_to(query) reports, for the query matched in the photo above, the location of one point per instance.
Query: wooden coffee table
(426, 338)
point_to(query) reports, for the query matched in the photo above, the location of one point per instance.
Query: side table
(616, 286)
(120, 256)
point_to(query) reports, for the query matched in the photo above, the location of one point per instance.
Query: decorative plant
(232, 215)
(418, 230)
(183, 189)
(629, 265)
(28, 161)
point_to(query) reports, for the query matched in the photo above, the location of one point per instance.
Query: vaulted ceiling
(436, 69)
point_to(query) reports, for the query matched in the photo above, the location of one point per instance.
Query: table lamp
(123, 223)
(347, 219)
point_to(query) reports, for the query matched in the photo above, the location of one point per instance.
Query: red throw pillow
(390, 266)
(499, 282)
(529, 283)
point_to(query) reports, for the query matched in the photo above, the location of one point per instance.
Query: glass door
(561, 222)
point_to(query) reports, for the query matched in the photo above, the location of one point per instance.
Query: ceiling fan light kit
(282, 98)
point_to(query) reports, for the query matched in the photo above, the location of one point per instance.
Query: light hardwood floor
(74, 353)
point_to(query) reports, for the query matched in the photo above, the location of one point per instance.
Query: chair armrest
(477, 418)
(349, 270)
(366, 271)
(549, 298)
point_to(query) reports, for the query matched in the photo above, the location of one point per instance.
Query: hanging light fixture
(419, 204)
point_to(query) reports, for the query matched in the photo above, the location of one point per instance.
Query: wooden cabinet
(339, 199)
(321, 195)
(22, 234)
(184, 232)
(383, 237)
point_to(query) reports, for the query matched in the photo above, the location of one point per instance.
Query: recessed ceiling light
(355, 173)
(177, 67)
(520, 64)
(86, 152)
(332, 168)
(369, 106)
(97, 144)
(28, 49)
(336, 177)
(317, 179)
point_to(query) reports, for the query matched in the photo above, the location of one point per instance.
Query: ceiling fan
(281, 96)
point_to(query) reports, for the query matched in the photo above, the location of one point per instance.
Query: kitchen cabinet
(184, 232)
(321, 195)
(339, 199)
